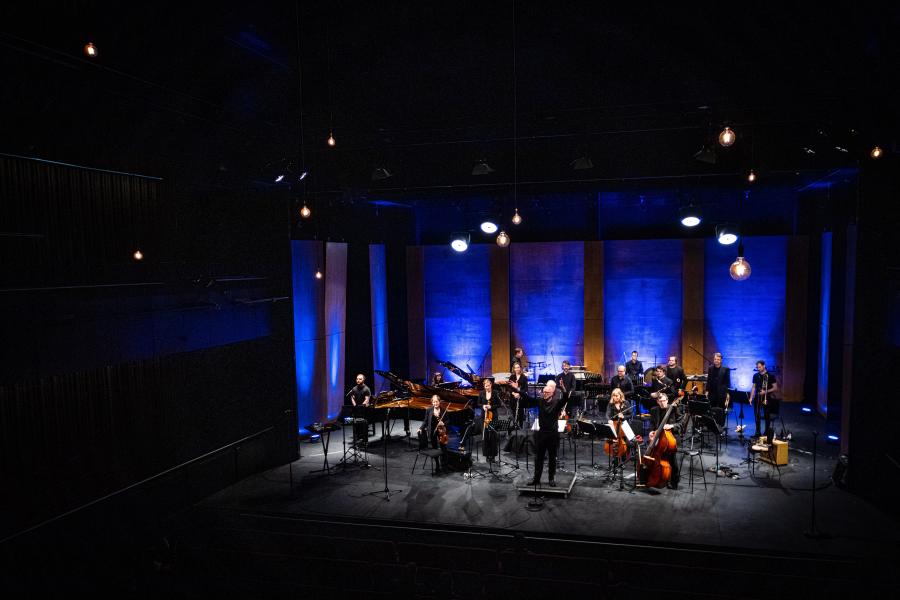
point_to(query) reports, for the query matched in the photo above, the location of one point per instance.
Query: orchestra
(649, 410)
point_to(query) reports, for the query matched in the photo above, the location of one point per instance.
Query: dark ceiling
(211, 97)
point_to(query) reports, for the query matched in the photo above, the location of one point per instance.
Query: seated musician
(360, 394)
(618, 407)
(622, 382)
(429, 428)
(661, 384)
(677, 423)
(437, 378)
(547, 436)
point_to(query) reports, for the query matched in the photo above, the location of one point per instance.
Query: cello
(617, 447)
(655, 468)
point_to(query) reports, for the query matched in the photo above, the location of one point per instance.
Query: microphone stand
(386, 491)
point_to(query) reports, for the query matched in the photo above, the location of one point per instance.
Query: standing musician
(634, 369)
(489, 401)
(621, 382)
(547, 437)
(677, 423)
(718, 382)
(360, 394)
(429, 428)
(520, 359)
(676, 374)
(661, 384)
(518, 379)
(566, 381)
(763, 391)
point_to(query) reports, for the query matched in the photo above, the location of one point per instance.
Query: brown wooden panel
(593, 308)
(415, 311)
(500, 345)
(693, 286)
(795, 321)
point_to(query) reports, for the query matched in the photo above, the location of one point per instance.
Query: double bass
(655, 468)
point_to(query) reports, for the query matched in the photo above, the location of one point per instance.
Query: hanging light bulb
(876, 152)
(727, 137)
(90, 50)
(517, 218)
(318, 274)
(502, 239)
(138, 255)
(331, 140)
(752, 176)
(740, 268)
(305, 212)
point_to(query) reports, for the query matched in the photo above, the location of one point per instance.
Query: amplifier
(778, 456)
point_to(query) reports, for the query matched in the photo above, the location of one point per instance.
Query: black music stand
(708, 423)
(388, 492)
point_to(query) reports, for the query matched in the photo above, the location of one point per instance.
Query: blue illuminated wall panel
(378, 286)
(309, 299)
(457, 307)
(824, 325)
(642, 299)
(546, 296)
(335, 324)
(745, 319)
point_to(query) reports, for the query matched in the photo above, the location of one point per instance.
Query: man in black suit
(634, 369)
(676, 374)
(547, 437)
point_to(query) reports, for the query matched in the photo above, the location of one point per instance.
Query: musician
(429, 428)
(621, 382)
(437, 378)
(565, 381)
(718, 382)
(765, 386)
(520, 359)
(618, 407)
(661, 384)
(677, 423)
(634, 369)
(517, 378)
(676, 374)
(547, 437)
(360, 394)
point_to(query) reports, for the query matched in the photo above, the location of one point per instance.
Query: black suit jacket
(718, 386)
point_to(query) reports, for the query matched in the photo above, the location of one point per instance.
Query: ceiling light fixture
(740, 268)
(482, 168)
(90, 50)
(503, 239)
(460, 242)
(706, 155)
(582, 163)
(305, 212)
(138, 255)
(380, 174)
(331, 140)
(752, 176)
(876, 152)
(517, 218)
(690, 215)
(318, 274)
(489, 227)
(727, 137)
(726, 234)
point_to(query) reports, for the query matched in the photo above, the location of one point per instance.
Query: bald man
(547, 437)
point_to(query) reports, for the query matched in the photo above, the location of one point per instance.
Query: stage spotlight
(752, 176)
(302, 176)
(305, 212)
(279, 178)
(460, 242)
(727, 137)
(690, 215)
(876, 152)
(489, 227)
(740, 268)
(138, 255)
(706, 155)
(503, 239)
(806, 409)
(582, 163)
(517, 218)
(331, 141)
(482, 168)
(90, 50)
(726, 235)
(380, 173)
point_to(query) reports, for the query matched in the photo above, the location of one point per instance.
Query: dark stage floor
(757, 510)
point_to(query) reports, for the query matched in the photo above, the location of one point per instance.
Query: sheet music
(626, 429)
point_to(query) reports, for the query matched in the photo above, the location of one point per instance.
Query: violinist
(677, 424)
(489, 401)
(518, 379)
(429, 428)
(547, 436)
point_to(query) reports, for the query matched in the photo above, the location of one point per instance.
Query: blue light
(833, 438)
(378, 288)
(806, 409)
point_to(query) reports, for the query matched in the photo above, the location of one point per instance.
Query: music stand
(709, 423)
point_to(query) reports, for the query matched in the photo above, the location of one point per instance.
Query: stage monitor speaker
(778, 456)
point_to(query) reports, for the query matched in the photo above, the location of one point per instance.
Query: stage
(754, 510)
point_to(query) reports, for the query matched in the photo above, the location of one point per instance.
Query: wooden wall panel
(594, 338)
(501, 354)
(693, 290)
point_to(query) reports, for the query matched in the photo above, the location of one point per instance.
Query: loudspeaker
(777, 455)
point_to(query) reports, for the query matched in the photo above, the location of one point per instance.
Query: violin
(441, 429)
(655, 468)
